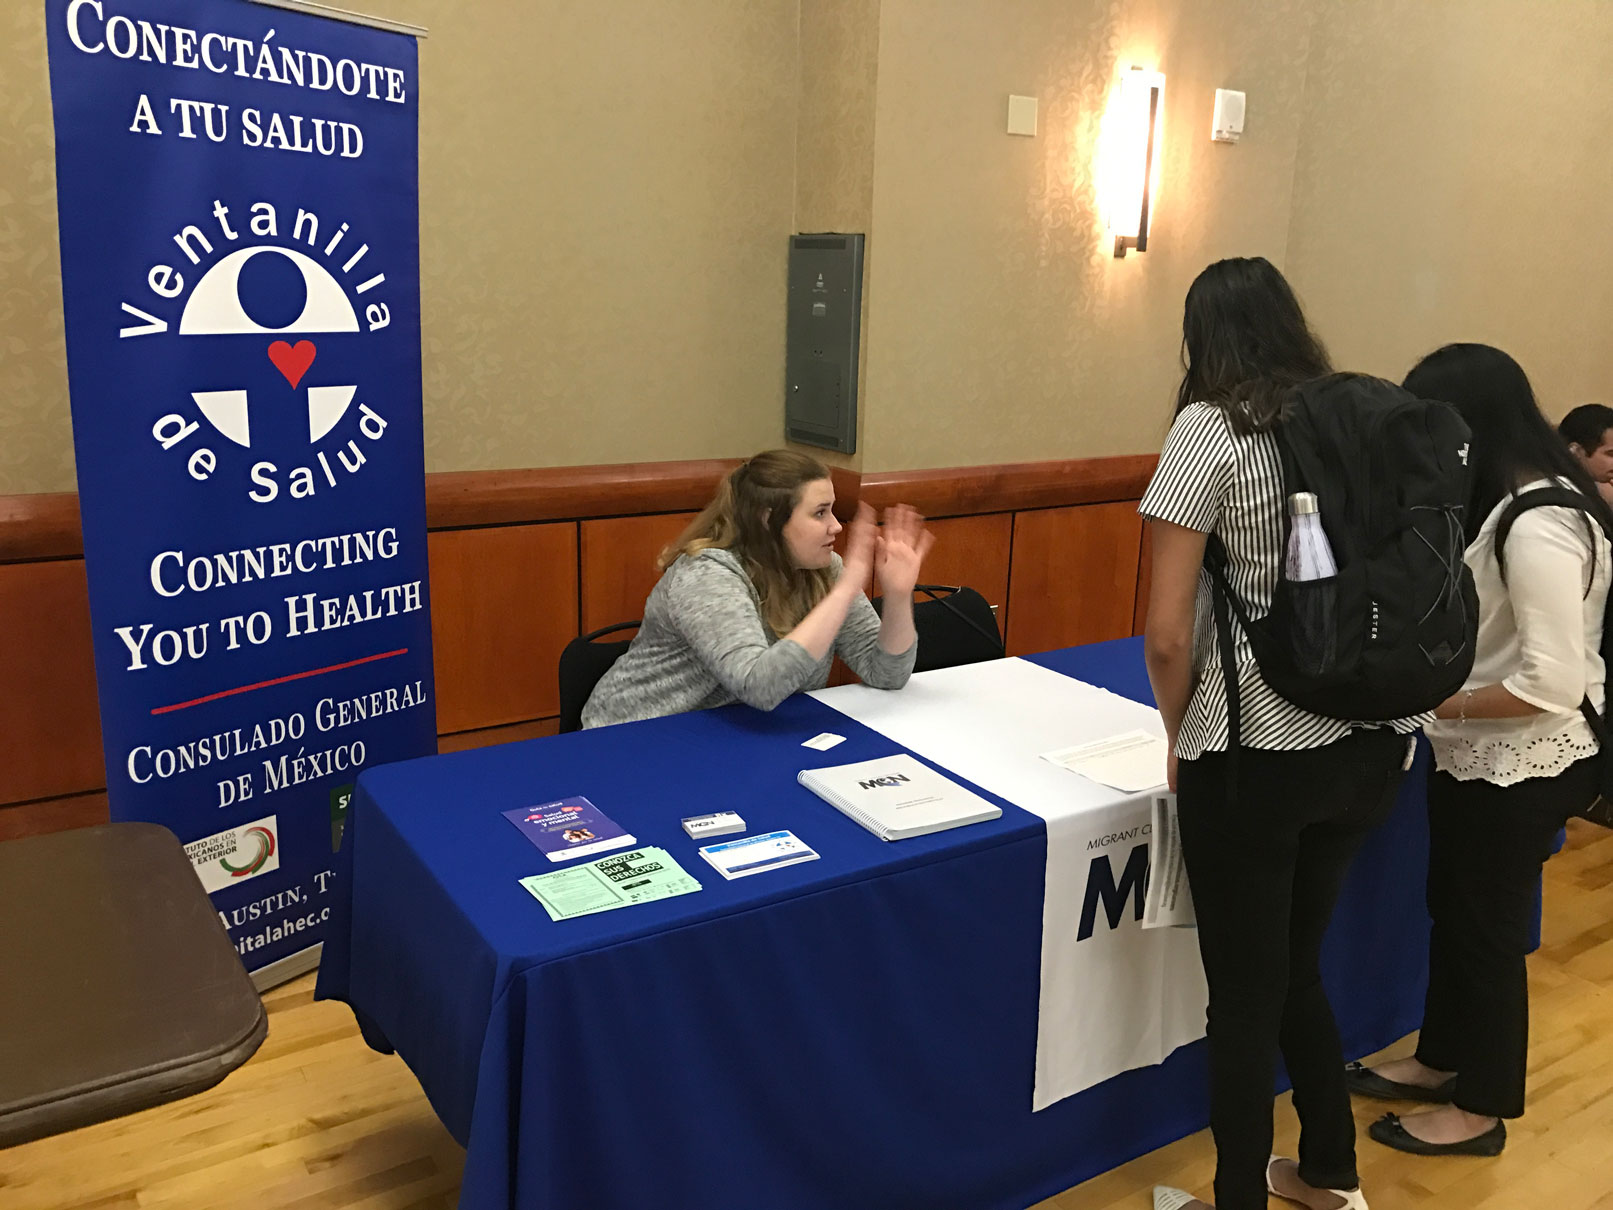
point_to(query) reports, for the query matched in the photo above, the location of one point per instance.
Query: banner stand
(287, 968)
(238, 204)
(341, 14)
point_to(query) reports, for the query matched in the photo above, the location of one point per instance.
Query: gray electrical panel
(822, 338)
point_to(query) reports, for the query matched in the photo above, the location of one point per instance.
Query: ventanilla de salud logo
(266, 306)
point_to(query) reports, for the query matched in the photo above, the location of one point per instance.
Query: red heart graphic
(292, 361)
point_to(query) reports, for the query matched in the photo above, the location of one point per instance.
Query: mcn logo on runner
(272, 348)
(234, 856)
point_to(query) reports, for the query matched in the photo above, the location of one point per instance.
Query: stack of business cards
(718, 823)
(756, 854)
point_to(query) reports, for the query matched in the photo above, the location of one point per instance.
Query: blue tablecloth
(857, 1031)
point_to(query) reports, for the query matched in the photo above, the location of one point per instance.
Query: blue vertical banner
(238, 197)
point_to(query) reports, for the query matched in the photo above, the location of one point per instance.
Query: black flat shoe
(1364, 1082)
(1388, 1131)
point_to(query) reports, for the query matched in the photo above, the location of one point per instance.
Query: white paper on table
(1132, 761)
(1169, 903)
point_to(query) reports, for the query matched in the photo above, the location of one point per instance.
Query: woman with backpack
(1266, 850)
(1515, 757)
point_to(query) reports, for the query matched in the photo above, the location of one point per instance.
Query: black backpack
(1392, 634)
(1600, 811)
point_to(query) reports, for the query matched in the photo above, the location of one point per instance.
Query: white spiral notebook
(896, 797)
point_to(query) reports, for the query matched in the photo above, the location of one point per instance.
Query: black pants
(1487, 845)
(1265, 864)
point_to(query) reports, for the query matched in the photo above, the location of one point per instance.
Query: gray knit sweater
(704, 643)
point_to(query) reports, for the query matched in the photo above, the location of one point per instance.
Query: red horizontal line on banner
(279, 680)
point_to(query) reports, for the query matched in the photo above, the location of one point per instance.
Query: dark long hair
(1245, 342)
(1512, 441)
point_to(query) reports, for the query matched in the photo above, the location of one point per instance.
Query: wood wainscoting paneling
(618, 565)
(503, 605)
(1145, 577)
(973, 551)
(466, 740)
(40, 525)
(463, 499)
(961, 491)
(50, 722)
(53, 815)
(1074, 576)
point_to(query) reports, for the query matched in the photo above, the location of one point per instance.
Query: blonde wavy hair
(752, 506)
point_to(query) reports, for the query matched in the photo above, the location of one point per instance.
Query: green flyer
(620, 880)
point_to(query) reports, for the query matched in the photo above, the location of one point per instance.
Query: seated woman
(754, 603)
(1588, 429)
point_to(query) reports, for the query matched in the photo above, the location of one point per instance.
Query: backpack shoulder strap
(1223, 603)
(1562, 497)
(1216, 561)
(1543, 497)
(1540, 497)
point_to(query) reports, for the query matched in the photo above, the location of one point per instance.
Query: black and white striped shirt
(1217, 481)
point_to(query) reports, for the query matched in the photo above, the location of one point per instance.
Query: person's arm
(898, 557)
(882, 650)
(861, 644)
(818, 630)
(1546, 574)
(1183, 507)
(713, 609)
(1168, 632)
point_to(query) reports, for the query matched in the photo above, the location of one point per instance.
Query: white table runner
(1113, 995)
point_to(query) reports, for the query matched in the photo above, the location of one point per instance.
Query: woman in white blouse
(1514, 757)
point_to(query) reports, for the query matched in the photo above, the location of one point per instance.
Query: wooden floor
(317, 1120)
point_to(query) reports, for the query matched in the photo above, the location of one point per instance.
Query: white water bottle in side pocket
(1309, 555)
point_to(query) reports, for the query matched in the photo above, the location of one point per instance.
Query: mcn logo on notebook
(895, 779)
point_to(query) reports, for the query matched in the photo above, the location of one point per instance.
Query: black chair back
(584, 661)
(955, 626)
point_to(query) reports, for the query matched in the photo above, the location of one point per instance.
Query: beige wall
(1002, 328)
(1454, 180)
(36, 444)
(607, 187)
(606, 197)
(834, 142)
(606, 193)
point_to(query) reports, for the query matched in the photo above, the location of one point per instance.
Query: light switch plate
(1022, 115)
(1226, 125)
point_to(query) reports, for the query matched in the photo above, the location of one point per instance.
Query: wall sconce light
(1131, 158)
